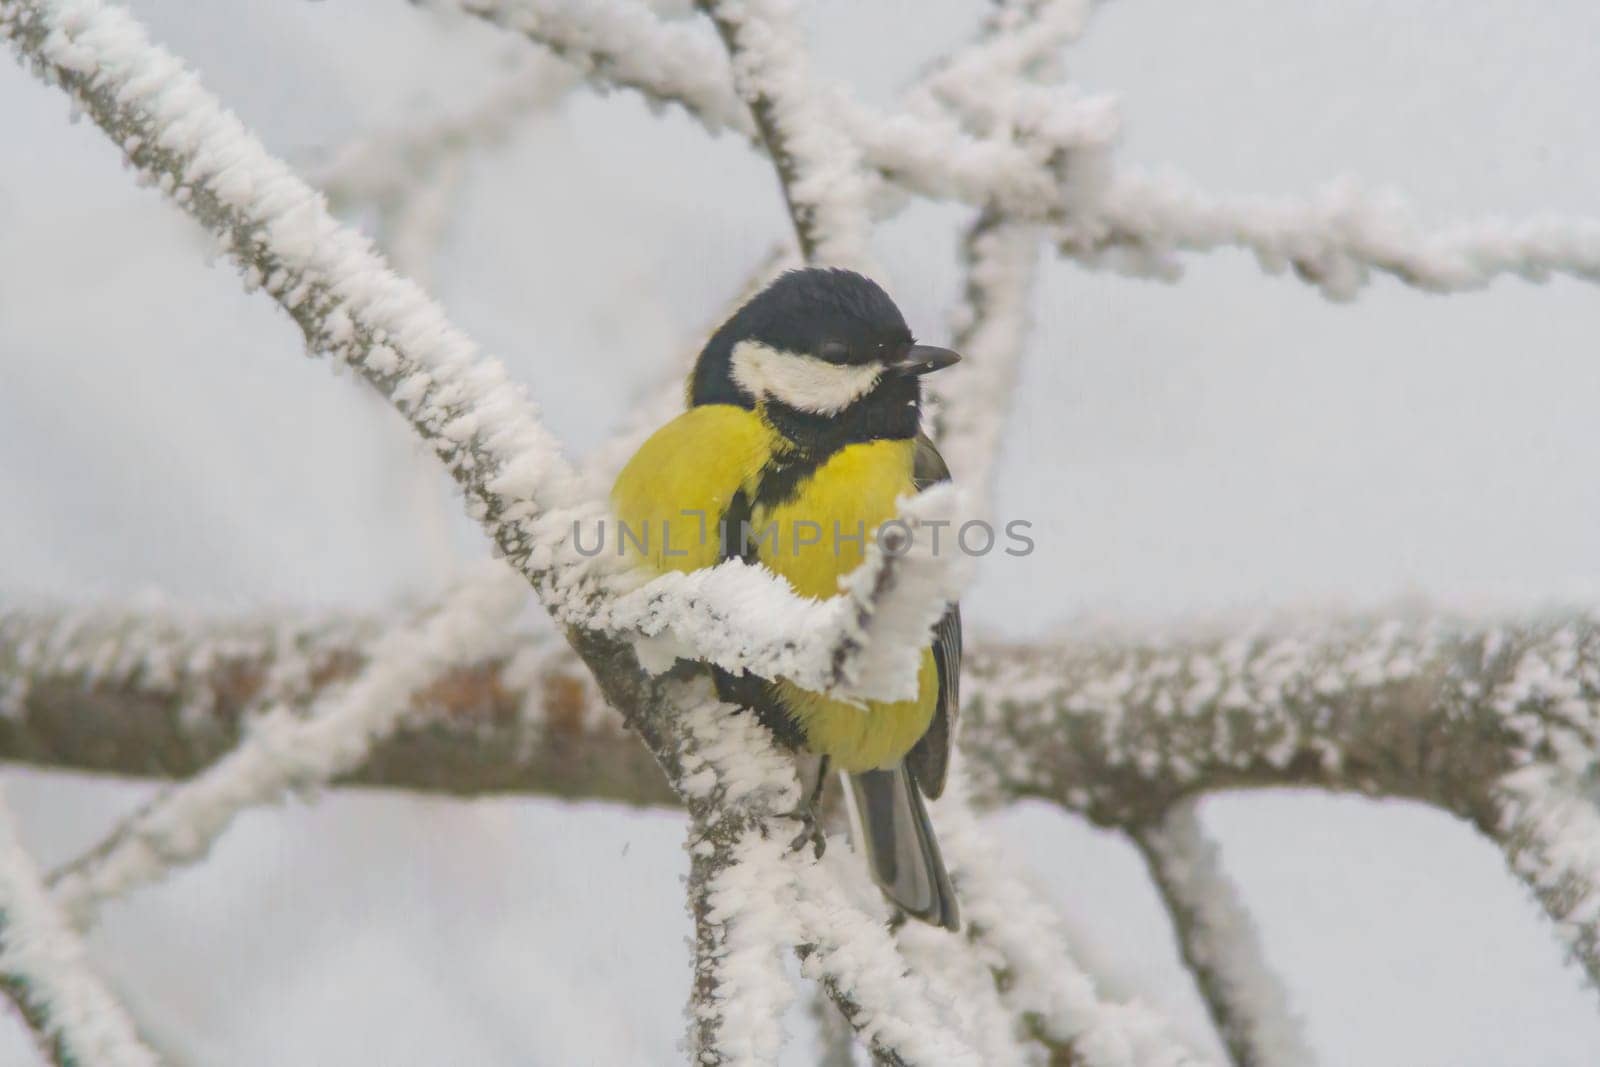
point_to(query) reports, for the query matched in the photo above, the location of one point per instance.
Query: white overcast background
(1229, 446)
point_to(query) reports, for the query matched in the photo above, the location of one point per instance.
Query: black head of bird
(825, 356)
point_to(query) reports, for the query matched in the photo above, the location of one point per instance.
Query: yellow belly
(862, 739)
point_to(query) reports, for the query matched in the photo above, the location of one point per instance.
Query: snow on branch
(1549, 826)
(1018, 36)
(624, 44)
(924, 151)
(285, 750)
(863, 644)
(819, 167)
(43, 970)
(1045, 155)
(352, 307)
(751, 891)
(1337, 239)
(1220, 944)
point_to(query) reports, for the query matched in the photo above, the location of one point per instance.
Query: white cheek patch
(802, 382)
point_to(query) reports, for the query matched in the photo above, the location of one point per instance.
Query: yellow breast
(673, 494)
(821, 534)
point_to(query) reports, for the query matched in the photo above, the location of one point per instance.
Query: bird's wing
(676, 490)
(929, 759)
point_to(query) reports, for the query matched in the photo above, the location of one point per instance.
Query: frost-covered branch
(1117, 726)
(43, 970)
(483, 427)
(1337, 239)
(1220, 945)
(824, 182)
(1044, 155)
(623, 44)
(286, 750)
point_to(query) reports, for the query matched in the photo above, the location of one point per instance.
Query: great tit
(802, 432)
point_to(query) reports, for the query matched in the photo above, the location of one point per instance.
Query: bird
(802, 430)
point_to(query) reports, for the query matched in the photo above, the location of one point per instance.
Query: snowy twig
(1044, 156)
(989, 329)
(1019, 39)
(623, 44)
(412, 173)
(1220, 945)
(43, 970)
(284, 751)
(824, 182)
(1336, 239)
(740, 991)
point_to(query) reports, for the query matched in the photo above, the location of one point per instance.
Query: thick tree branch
(1117, 731)
(1117, 728)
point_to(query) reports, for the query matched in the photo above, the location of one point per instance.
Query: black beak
(924, 359)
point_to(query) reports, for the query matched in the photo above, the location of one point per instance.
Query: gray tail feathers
(898, 841)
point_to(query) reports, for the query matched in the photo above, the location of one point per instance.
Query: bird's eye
(834, 351)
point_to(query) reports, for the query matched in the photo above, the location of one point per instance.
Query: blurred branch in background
(1485, 722)
(1055, 165)
(411, 174)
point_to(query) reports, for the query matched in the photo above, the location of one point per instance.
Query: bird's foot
(810, 832)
